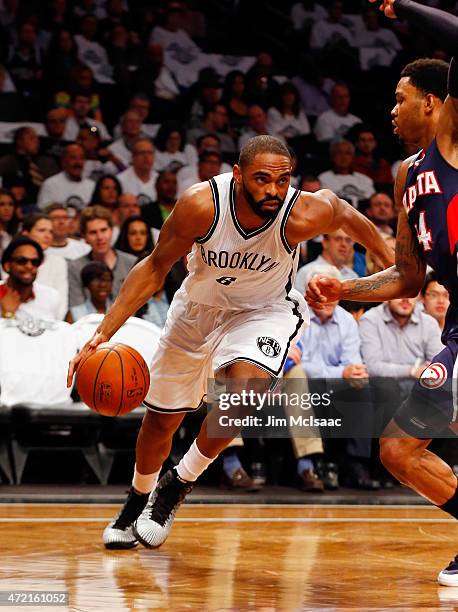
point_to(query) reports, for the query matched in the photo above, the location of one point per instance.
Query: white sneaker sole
(450, 580)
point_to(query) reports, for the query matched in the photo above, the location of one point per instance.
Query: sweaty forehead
(270, 163)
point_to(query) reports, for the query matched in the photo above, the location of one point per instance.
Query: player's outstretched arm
(404, 279)
(191, 218)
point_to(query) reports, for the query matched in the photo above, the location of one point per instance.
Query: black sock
(451, 506)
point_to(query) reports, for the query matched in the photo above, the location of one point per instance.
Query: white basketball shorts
(198, 340)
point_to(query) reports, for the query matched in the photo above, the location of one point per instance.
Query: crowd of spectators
(111, 109)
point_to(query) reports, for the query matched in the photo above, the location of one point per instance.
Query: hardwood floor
(229, 557)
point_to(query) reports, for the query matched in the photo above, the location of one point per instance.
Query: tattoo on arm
(372, 283)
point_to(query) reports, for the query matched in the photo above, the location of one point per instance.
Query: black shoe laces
(131, 510)
(168, 499)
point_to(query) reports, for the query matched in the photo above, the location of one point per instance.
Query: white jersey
(233, 269)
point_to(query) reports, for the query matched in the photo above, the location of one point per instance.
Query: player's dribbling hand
(322, 290)
(88, 348)
(386, 7)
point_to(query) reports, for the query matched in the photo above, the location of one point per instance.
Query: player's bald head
(260, 145)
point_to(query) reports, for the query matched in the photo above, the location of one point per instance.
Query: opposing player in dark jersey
(427, 190)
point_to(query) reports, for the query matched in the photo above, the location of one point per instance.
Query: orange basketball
(113, 380)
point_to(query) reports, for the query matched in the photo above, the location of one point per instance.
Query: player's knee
(159, 424)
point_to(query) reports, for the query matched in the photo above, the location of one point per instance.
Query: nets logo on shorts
(268, 346)
(433, 376)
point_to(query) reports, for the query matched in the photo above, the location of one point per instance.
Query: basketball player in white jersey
(235, 317)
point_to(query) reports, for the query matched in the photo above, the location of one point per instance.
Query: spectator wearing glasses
(62, 243)
(435, 298)
(140, 178)
(20, 296)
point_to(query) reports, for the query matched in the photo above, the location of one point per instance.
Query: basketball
(113, 380)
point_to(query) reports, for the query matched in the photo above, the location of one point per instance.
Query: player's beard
(256, 205)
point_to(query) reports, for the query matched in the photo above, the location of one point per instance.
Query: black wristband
(439, 25)
(452, 80)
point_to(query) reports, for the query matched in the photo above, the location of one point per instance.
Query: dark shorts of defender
(432, 404)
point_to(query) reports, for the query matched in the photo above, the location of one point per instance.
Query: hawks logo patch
(433, 376)
(268, 346)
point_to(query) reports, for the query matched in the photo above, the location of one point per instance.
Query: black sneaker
(153, 525)
(118, 534)
(449, 575)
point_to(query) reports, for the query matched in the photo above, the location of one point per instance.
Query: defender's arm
(404, 279)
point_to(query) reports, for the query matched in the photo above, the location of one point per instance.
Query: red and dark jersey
(431, 202)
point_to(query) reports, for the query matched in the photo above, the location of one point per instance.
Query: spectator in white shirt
(190, 174)
(140, 104)
(81, 107)
(337, 250)
(348, 185)
(306, 12)
(378, 46)
(178, 44)
(62, 244)
(336, 121)
(69, 186)
(91, 53)
(332, 29)
(287, 120)
(131, 131)
(140, 178)
(257, 124)
(209, 165)
(155, 79)
(53, 271)
(20, 296)
(172, 151)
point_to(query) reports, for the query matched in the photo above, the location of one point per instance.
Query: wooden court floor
(236, 557)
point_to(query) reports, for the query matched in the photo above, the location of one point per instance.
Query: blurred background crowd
(110, 109)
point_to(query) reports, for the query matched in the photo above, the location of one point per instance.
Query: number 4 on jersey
(423, 233)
